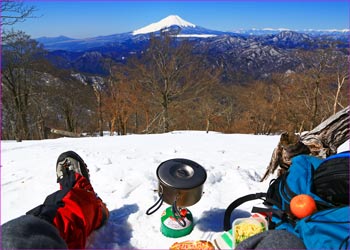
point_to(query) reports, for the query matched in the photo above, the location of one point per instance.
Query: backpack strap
(272, 212)
(236, 203)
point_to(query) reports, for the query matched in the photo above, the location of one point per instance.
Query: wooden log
(325, 139)
(64, 133)
(322, 141)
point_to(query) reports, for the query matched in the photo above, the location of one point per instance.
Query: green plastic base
(171, 228)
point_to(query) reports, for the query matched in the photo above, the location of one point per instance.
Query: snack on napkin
(193, 244)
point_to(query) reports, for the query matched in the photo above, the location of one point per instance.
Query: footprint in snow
(107, 161)
(215, 177)
(129, 188)
(156, 161)
(252, 174)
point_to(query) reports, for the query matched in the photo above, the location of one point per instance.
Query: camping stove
(180, 185)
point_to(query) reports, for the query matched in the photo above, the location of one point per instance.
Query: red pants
(80, 215)
(75, 210)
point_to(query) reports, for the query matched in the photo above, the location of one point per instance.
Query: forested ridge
(169, 86)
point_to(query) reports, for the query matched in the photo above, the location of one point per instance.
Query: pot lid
(181, 173)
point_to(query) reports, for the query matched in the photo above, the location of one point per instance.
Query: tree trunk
(100, 118)
(274, 112)
(208, 125)
(99, 110)
(322, 141)
(165, 118)
(315, 104)
(21, 126)
(329, 135)
(340, 84)
(112, 125)
(136, 123)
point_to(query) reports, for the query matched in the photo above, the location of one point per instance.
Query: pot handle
(156, 205)
(177, 215)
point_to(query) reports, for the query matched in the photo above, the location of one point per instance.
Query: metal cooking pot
(181, 180)
(180, 184)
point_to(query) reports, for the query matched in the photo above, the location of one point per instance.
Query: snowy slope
(123, 173)
(164, 23)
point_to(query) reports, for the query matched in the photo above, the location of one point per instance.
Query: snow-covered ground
(123, 173)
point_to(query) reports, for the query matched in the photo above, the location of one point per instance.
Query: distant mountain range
(178, 27)
(271, 31)
(173, 24)
(257, 52)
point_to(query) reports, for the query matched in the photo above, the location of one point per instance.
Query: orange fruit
(302, 205)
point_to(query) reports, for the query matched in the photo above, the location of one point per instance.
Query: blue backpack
(327, 181)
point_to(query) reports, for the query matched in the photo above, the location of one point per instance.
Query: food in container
(244, 228)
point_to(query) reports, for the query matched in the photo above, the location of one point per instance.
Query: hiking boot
(71, 161)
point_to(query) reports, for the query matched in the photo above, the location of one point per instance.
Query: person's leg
(75, 210)
(30, 232)
(82, 212)
(66, 218)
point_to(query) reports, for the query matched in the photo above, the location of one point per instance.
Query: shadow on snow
(213, 220)
(117, 232)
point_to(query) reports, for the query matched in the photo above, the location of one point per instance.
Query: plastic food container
(244, 228)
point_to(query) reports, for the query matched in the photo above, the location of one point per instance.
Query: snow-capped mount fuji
(172, 20)
(173, 24)
(177, 26)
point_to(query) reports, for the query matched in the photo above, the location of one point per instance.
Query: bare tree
(13, 11)
(121, 101)
(317, 69)
(341, 79)
(171, 73)
(19, 76)
(341, 63)
(75, 106)
(322, 68)
(98, 94)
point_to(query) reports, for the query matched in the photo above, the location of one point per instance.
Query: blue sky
(82, 19)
